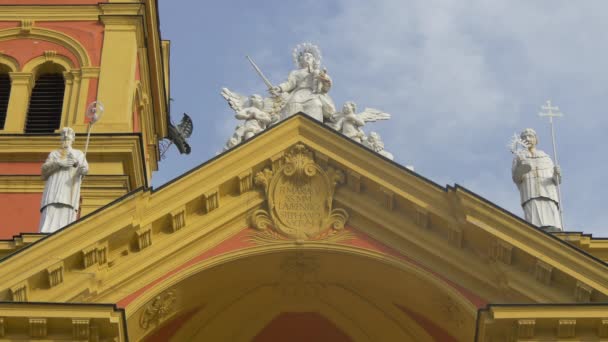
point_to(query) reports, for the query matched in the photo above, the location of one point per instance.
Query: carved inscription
(299, 194)
(299, 204)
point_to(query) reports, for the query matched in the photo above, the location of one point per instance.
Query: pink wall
(20, 213)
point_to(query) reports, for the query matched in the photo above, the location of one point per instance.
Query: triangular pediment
(484, 253)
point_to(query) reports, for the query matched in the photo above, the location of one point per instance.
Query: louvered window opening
(5, 93)
(46, 103)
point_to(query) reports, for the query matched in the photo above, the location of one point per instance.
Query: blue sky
(458, 77)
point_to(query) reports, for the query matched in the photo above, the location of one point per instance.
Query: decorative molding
(602, 328)
(102, 253)
(50, 13)
(543, 272)
(525, 328)
(211, 200)
(57, 37)
(455, 235)
(388, 199)
(55, 274)
(299, 196)
(26, 26)
(9, 62)
(277, 161)
(37, 327)
(49, 55)
(89, 72)
(423, 218)
(353, 180)
(582, 292)
(566, 328)
(502, 251)
(453, 311)
(157, 309)
(178, 219)
(80, 328)
(19, 292)
(322, 159)
(143, 237)
(96, 254)
(245, 181)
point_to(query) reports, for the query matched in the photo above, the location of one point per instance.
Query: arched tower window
(5, 93)
(46, 101)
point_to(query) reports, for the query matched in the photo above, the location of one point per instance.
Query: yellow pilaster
(80, 106)
(21, 87)
(72, 82)
(117, 76)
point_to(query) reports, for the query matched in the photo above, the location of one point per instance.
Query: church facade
(297, 234)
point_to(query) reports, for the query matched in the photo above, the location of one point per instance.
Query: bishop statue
(537, 179)
(63, 171)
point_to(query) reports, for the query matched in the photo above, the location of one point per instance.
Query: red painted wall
(301, 327)
(20, 168)
(88, 33)
(19, 213)
(50, 2)
(26, 49)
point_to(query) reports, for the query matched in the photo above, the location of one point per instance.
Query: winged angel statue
(255, 111)
(306, 90)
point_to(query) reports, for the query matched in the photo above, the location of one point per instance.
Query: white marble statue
(306, 90)
(349, 123)
(537, 178)
(306, 87)
(374, 142)
(255, 111)
(62, 171)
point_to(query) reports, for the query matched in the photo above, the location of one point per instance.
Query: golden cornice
(55, 321)
(123, 148)
(34, 184)
(543, 322)
(18, 242)
(50, 13)
(121, 9)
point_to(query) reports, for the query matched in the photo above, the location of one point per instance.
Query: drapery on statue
(62, 171)
(537, 179)
(306, 87)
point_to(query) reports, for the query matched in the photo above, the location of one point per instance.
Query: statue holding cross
(537, 178)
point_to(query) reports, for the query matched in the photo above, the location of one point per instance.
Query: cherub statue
(254, 110)
(349, 123)
(374, 143)
(306, 87)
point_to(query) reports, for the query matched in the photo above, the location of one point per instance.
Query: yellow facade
(225, 251)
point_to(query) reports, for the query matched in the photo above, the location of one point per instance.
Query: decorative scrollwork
(299, 196)
(261, 220)
(299, 162)
(158, 308)
(338, 218)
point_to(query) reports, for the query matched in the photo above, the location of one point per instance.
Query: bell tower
(56, 57)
